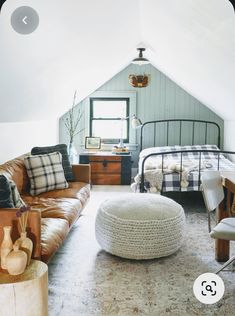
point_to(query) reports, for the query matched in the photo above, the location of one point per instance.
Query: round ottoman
(140, 226)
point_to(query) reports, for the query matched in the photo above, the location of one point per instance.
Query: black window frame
(111, 140)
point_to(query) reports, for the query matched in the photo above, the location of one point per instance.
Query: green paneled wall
(162, 99)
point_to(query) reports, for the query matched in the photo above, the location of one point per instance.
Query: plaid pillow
(45, 172)
(16, 198)
(62, 148)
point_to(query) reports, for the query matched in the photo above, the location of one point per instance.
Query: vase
(72, 152)
(16, 260)
(26, 245)
(6, 245)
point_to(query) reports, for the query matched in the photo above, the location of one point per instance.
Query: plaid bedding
(171, 181)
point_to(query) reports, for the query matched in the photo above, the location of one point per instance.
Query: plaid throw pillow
(45, 173)
(62, 148)
(16, 198)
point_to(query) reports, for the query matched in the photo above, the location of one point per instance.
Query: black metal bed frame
(207, 123)
(181, 152)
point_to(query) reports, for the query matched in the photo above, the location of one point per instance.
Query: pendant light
(140, 60)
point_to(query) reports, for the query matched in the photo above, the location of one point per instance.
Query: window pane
(109, 129)
(109, 108)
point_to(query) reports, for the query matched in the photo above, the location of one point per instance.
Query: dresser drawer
(104, 158)
(105, 167)
(100, 178)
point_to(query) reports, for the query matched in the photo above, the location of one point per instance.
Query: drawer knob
(105, 163)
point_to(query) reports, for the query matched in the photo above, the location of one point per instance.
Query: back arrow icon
(24, 20)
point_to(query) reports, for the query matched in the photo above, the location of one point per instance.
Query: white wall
(18, 138)
(229, 136)
(78, 45)
(82, 44)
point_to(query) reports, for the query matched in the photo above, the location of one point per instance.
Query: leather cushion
(64, 208)
(15, 170)
(76, 190)
(53, 233)
(62, 148)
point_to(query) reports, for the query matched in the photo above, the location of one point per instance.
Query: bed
(178, 167)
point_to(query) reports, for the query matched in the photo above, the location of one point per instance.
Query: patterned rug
(86, 281)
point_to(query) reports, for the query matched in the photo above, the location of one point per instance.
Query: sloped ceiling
(82, 44)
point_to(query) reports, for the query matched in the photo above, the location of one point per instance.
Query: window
(109, 119)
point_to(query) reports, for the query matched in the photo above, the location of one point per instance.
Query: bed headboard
(194, 130)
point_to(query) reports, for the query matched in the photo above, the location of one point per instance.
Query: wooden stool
(25, 294)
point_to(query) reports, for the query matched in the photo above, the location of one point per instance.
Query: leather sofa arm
(8, 218)
(82, 173)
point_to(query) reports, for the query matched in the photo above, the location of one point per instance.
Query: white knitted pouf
(140, 226)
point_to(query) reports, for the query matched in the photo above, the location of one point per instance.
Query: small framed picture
(92, 142)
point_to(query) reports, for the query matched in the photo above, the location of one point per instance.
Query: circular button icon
(24, 20)
(208, 288)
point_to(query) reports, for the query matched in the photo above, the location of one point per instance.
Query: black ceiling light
(140, 60)
(1, 3)
(233, 3)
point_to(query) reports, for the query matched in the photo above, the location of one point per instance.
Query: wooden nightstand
(108, 168)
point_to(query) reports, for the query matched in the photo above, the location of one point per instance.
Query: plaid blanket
(171, 181)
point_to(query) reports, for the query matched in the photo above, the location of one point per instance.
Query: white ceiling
(82, 44)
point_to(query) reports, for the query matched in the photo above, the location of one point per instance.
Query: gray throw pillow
(62, 148)
(5, 193)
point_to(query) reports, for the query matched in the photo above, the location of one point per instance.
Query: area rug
(86, 281)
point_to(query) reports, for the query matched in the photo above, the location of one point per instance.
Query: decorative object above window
(139, 81)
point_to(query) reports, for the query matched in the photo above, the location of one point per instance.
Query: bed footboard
(217, 153)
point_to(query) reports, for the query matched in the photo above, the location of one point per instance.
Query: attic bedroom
(117, 168)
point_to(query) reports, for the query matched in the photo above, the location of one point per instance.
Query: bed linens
(171, 180)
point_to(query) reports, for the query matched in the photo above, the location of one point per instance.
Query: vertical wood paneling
(162, 99)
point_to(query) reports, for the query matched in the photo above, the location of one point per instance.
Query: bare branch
(79, 131)
(73, 119)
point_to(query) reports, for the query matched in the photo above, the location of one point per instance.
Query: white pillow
(45, 172)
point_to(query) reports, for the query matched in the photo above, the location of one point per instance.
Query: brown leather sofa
(52, 213)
